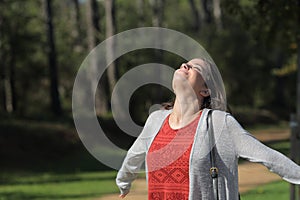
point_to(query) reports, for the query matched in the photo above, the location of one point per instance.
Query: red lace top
(168, 162)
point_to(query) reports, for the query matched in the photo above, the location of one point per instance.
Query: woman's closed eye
(196, 67)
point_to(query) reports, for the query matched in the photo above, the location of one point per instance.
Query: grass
(46, 160)
(43, 161)
(273, 191)
(46, 186)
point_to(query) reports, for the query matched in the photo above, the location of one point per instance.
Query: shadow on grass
(41, 146)
(28, 196)
(30, 179)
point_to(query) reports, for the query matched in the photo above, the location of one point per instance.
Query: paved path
(251, 175)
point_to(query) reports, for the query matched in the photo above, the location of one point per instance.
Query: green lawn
(273, 191)
(85, 186)
(42, 161)
(79, 186)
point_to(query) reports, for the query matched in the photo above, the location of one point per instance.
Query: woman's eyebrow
(197, 66)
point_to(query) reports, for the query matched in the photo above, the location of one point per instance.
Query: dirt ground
(251, 175)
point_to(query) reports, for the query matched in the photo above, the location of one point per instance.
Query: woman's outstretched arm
(253, 150)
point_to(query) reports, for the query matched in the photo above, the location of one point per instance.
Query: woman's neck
(184, 111)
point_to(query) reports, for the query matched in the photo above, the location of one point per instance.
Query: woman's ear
(204, 93)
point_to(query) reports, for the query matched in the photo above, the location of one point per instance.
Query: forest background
(255, 44)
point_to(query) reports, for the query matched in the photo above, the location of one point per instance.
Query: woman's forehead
(197, 61)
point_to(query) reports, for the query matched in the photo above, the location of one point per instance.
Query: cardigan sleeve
(136, 154)
(131, 165)
(248, 147)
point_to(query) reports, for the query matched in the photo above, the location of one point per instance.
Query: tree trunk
(77, 15)
(77, 32)
(8, 78)
(141, 12)
(158, 12)
(11, 76)
(196, 16)
(54, 93)
(7, 72)
(298, 72)
(295, 190)
(110, 47)
(93, 34)
(157, 21)
(217, 14)
(3, 69)
(207, 7)
(2, 77)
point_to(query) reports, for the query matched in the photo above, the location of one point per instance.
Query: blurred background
(255, 44)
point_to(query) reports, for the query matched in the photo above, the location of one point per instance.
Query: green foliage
(272, 30)
(256, 44)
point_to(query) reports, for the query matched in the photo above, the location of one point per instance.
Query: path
(251, 175)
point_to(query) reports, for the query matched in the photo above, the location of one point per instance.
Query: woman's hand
(122, 196)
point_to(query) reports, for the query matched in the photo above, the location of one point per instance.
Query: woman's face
(190, 73)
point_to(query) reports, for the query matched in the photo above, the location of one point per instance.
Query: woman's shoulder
(161, 113)
(219, 113)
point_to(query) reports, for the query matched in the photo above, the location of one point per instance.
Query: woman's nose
(184, 66)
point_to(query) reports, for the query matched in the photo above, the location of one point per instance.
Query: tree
(141, 12)
(110, 47)
(207, 7)
(298, 92)
(217, 13)
(54, 92)
(196, 16)
(8, 47)
(77, 16)
(93, 34)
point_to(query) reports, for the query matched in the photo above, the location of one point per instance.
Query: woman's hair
(214, 82)
(167, 105)
(205, 104)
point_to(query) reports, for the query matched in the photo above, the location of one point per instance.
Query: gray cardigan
(232, 142)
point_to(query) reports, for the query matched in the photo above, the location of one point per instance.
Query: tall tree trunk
(6, 72)
(295, 144)
(77, 31)
(77, 15)
(110, 47)
(11, 76)
(141, 12)
(158, 12)
(93, 34)
(207, 7)
(298, 72)
(2, 88)
(54, 93)
(2, 67)
(8, 105)
(196, 16)
(157, 21)
(8, 77)
(217, 14)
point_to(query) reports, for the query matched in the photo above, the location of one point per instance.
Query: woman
(175, 143)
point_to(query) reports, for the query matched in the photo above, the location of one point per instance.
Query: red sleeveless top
(168, 162)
